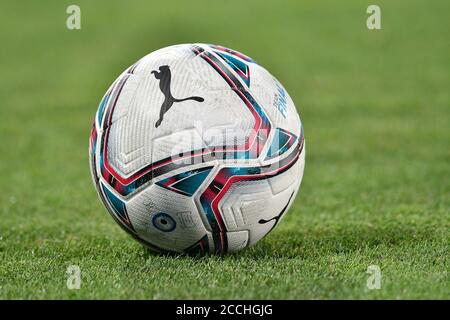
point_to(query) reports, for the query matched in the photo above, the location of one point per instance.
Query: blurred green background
(376, 110)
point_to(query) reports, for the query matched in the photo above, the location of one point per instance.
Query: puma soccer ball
(196, 148)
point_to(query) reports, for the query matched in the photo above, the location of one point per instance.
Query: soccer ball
(196, 148)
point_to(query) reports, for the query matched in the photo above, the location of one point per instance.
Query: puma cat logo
(165, 77)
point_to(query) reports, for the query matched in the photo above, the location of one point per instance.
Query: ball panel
(165, 218)
(275, 100)
(253, 205)
(237, 240)
(132, 138)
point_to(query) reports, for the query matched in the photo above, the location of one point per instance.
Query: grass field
(376, 110)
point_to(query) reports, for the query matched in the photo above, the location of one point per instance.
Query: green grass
(376, 110)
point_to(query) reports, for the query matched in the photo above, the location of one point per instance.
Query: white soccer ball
(196, 148)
